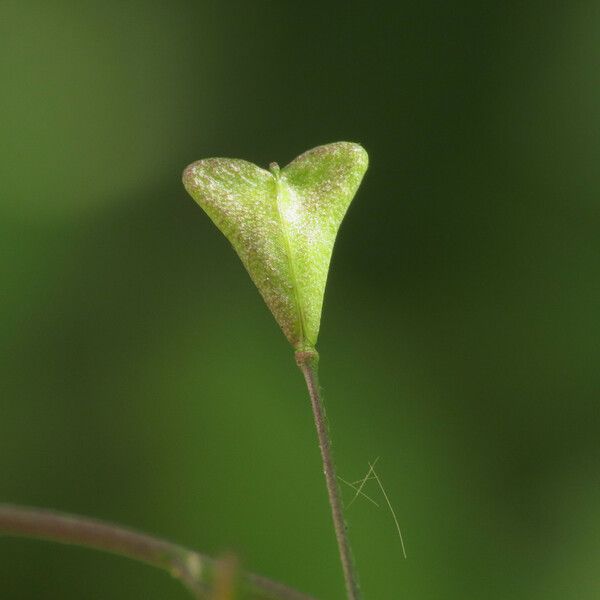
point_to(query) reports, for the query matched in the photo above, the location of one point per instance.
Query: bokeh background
(143, 381)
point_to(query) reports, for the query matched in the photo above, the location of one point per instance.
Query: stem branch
(194, 570)
(308, 363)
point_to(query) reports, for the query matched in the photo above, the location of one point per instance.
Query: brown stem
(308, 363)
(194, 570)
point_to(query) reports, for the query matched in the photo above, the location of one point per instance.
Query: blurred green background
(143, 381)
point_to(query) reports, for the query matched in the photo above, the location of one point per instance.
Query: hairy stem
(308, 363)
(194, 570)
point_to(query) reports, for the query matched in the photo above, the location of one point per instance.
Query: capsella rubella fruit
(283, 224)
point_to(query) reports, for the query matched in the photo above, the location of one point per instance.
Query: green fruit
(283, 224)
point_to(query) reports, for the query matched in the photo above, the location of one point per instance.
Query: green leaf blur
(143, 381)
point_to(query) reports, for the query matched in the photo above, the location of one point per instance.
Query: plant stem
(308, 362)
(194, 570)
